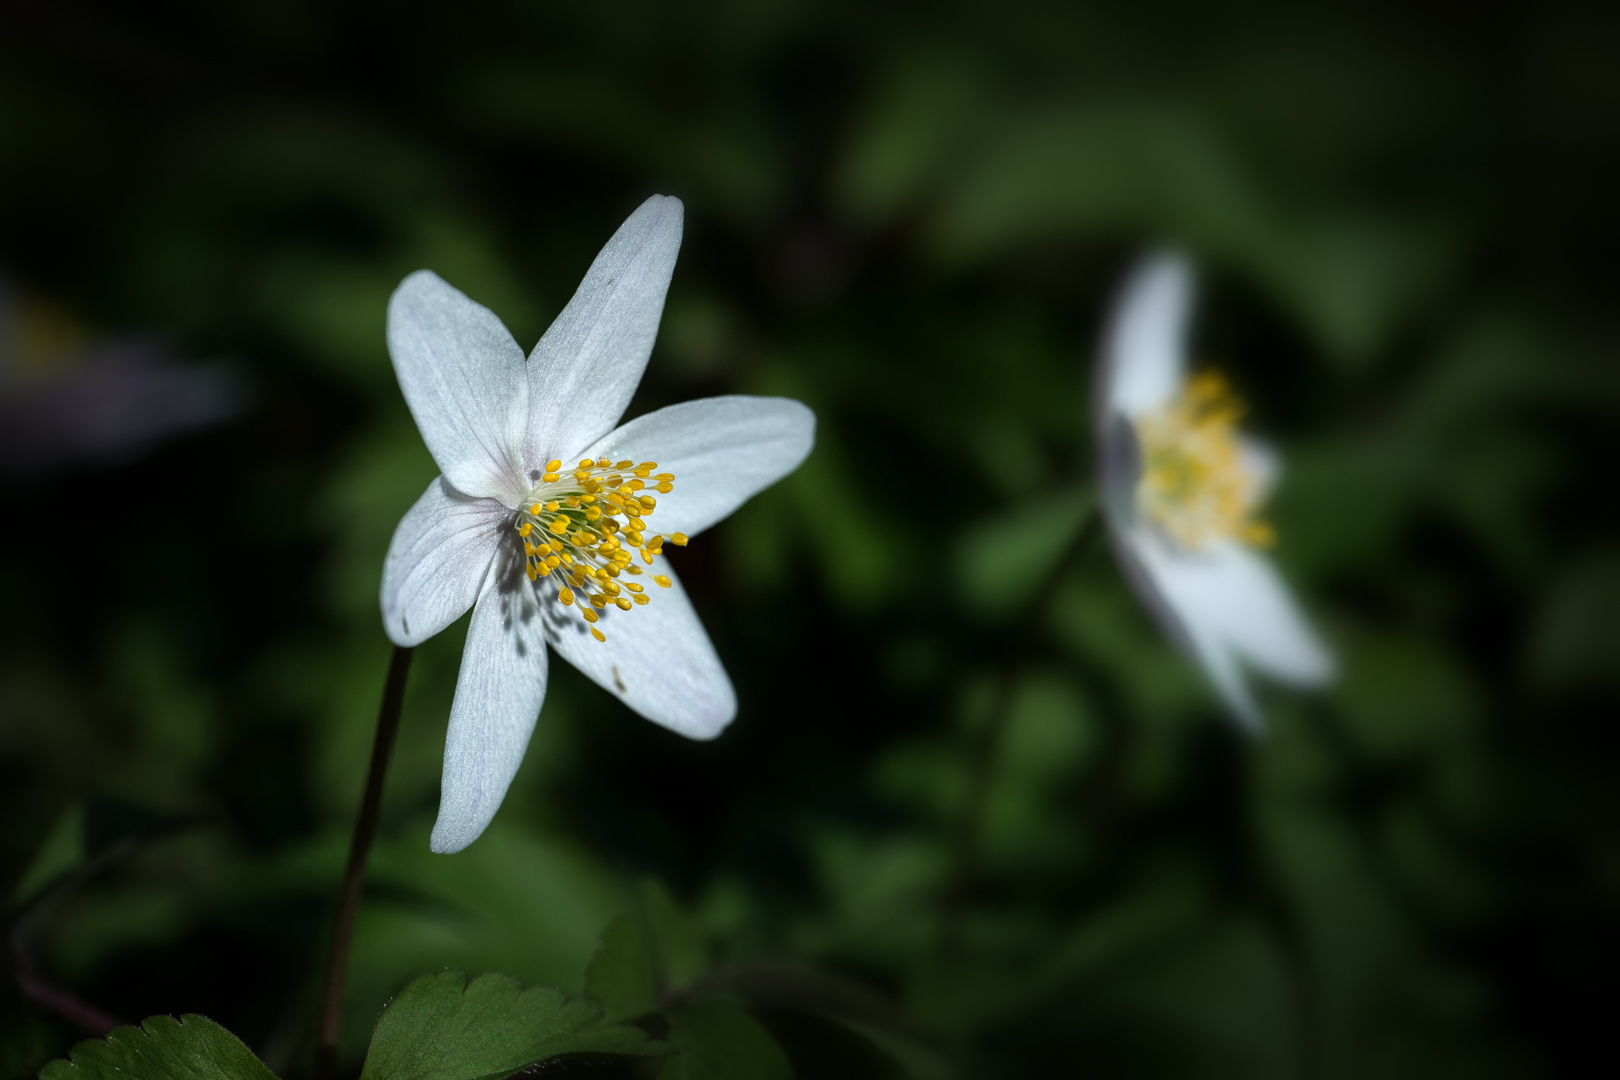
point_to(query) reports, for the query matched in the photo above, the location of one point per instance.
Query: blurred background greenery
(910, 217)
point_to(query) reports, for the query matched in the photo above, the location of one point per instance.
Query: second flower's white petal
(1144, 347)
(657, 659)
(463, 377)
(1261, 461)
(498, 697)
(1178, 589)
(588, 364)
(1246, 600)
(721, 450)
(437, 561)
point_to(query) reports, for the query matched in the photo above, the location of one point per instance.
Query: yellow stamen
(1197, 485)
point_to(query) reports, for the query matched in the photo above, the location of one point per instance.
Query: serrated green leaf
(623, 976)
(718, 1040)
(441, 1027)
(162, 1048)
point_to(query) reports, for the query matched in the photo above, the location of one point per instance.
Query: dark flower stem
(988, 751)
(365, 830)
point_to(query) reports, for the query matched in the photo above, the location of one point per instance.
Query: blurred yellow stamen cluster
(1196, 485)
(584, 525)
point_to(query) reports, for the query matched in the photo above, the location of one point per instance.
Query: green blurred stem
(988, 751)
(365, 830)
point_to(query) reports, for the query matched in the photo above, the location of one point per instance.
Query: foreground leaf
(162, 1048)
(441, 1027)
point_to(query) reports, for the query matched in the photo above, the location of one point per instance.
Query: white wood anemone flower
(1182, 491)
(543, 521)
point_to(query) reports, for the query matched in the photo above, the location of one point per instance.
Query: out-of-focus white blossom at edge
(70, 400)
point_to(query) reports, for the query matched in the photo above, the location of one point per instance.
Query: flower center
(1196, 485)
(584, 525)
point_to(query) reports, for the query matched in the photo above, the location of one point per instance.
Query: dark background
(910, 217)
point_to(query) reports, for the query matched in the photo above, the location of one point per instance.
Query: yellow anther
(604, 463)
(526, 528)
(643, 473)
(554, 466)
(632, 569)
(550, 477)
(1196, 484)
(585, 464)
(633, 587)
(665, 487)
(646, 466)
(601, 573)
(623, 604)
(646, 557)
(611, 587)
(640, 598)
(678, 539)
(571, 501)
(636, 485)
(624, 464)
(633, 537)
(541, 569)
(598, 600)
(597, 634)
(663, 582)
(647, 501)
(666, 477)
(558, 525)
(593, 513)
(533, 574)
(552, 506)
(566, 558)
(635, 523)
(588, 614)
(553, 561)
(566, 596)
(535, 509)
(656, 543)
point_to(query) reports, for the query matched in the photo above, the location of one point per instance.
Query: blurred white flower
(1182, 491)
(541, 520)
(68, 401)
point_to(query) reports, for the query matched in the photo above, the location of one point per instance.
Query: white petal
(588, 364)
(437, 561)
(656, 659)
(1261, 461)
(1119, 468)
(498, 697)
(1176, 588)
(722, 451)
(1144, 346)
(463, 377)
(1252, 609)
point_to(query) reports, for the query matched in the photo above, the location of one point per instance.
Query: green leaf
(162, 1048)
(441, 1027)
(62, 852)
(682, 953)
(718, 1040)
(623, 975)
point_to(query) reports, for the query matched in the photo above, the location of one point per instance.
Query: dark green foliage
(162, 1048)
(718, 1040)
(442, 1027)
(1405, 221)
